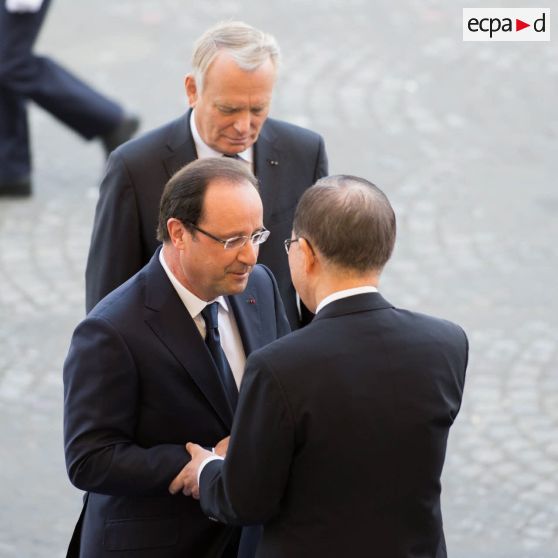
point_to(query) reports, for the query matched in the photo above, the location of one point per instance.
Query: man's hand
(222, 447)
(187, 479)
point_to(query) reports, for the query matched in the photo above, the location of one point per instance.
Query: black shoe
(18, 188)
(123, 132)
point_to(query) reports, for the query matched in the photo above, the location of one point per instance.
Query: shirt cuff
(205, 462)
(22, 6)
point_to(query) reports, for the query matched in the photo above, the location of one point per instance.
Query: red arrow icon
(519, 25)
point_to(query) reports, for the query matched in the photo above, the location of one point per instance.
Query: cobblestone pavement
(463, 138)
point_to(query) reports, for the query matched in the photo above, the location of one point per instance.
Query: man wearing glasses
(158, 362)
(340, 434)
(229, 90)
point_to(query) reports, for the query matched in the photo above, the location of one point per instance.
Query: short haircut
(349, 220)
(184, 193)
(249, 48)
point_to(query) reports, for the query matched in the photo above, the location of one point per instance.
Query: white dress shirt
(204, 151)
(338, 295)
(228, 328)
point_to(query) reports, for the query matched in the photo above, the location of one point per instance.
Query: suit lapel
(180, 144)
(170, 321)
(268, 168)
(247, 315)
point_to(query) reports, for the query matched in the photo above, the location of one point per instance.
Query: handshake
(187, 480)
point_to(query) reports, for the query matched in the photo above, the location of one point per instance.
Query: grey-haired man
(229, 92)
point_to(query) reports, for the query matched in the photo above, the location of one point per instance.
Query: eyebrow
(226, 106)
(235, 234)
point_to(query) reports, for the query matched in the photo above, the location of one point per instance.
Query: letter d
(540, 20)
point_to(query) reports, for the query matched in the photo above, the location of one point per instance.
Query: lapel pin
(251, 300)
(273, 163)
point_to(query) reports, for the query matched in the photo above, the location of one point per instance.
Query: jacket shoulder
(262, 278)
(426, 329)
(122, 302)
(291, 132)
(430, 322)
(155, 139)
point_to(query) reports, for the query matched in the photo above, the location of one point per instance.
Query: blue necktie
(213, 342)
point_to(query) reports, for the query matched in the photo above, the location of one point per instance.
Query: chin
(235, 148)
(238, 146)
(236, 288)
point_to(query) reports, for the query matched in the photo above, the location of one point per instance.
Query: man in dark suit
(140, 381)
(340, 434)
(229, 90)
(23, 76)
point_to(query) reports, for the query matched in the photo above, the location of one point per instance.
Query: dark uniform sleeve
(248, 486)
(102, 401)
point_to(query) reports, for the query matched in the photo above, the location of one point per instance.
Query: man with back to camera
(340, 434)
(140, 381)
(229, 92)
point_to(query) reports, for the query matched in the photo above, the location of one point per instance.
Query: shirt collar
(344, 294)
(204, 151)
(193, 304)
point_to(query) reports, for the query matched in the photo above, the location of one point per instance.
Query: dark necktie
(235, 156)
(213, 342)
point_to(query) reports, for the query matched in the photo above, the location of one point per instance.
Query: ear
(191, 89)
(177, 233)
(310, 260)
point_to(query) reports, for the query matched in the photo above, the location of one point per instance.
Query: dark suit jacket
(340, 435)
(288, 160)
(139, 383)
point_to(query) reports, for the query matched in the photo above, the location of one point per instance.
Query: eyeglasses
(288, 243)
(236, 241)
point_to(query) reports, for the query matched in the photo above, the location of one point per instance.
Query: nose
(242, 123)
(248, 254)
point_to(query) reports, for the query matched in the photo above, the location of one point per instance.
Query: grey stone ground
(462, 136)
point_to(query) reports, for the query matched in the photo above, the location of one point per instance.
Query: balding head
(349, 221)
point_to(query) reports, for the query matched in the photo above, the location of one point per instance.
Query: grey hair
(248, 46)
(349, 220)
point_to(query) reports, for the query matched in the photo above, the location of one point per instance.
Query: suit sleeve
(102, 401)
(322, 165)
(116, 252)
(248, 486)
(461, 357)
